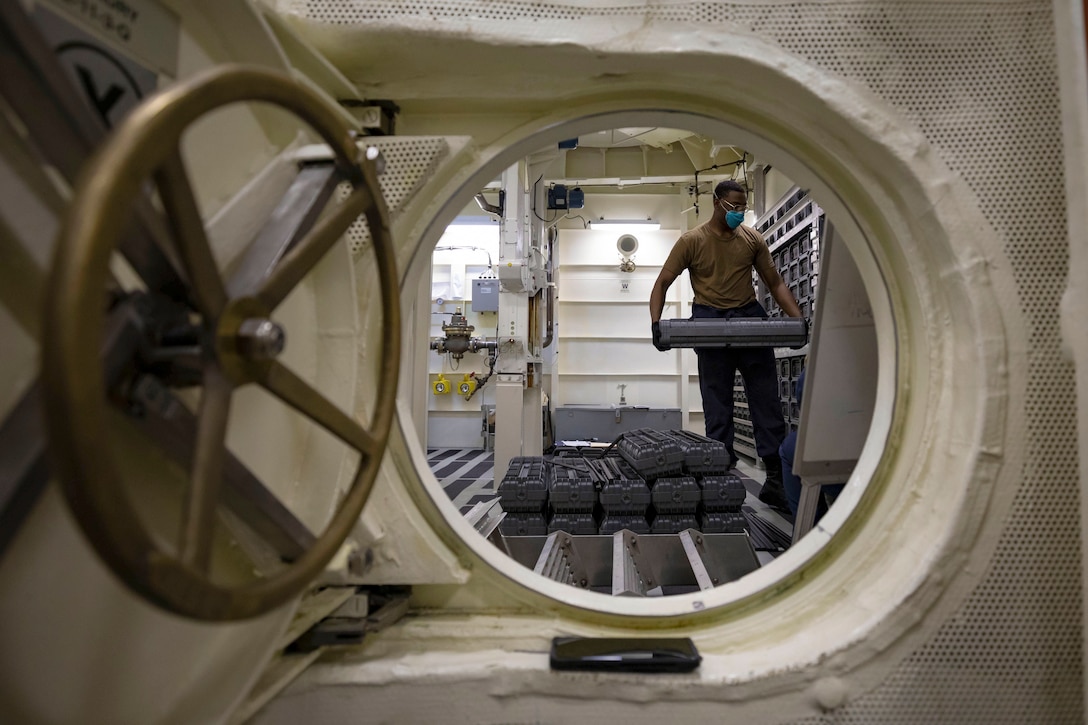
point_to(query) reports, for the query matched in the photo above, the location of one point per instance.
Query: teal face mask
(733, 219)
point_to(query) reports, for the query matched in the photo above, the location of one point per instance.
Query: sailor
(720, 256)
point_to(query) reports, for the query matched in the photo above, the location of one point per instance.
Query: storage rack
(793, 228)
(744, 440)
(790, 363)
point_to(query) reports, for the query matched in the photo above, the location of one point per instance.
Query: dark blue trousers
(717, 370)
(792, 484)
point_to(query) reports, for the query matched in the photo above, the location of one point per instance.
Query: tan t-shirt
(721, 268)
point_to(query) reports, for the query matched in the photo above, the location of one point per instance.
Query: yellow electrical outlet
(441, 386)
(467, 385)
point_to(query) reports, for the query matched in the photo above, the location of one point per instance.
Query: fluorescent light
(614, 224)
(474, 221)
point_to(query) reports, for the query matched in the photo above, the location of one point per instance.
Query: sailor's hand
(656, 328)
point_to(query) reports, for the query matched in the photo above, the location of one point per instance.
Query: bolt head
(261, 338)
(374, 155)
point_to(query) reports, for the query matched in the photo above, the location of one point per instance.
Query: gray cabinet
(604, 423)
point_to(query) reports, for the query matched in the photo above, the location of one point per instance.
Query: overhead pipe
(549, 327)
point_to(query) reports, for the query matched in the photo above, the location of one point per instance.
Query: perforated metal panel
(980, 80)
(409, 161)
(422, 13)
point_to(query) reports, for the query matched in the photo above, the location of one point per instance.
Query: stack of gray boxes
(572, 494)
(625, 498)
(651, 482)
(523, 496)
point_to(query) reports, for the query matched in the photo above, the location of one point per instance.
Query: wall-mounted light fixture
(627, 245)
(616, 224)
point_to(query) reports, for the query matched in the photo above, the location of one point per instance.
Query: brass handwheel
(238, 345)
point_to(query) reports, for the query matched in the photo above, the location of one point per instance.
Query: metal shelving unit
(793, 228)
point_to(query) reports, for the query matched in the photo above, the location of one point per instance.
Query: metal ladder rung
(485, 517)
(707, 572)
(558, 560)
(631, 573)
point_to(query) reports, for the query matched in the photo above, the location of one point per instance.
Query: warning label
(111, 82)
(142, 28)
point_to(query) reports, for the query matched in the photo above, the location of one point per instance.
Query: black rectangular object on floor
(612, 654)
(673, 523)
(612, 523)
(519, 524)
(571, 490)
(524, 487)
(764, 535)
(723, 522)
(651, 453)
(676, 495)
(723, 493)
(575, 524)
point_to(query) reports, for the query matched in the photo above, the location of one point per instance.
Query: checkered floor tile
(465, 475)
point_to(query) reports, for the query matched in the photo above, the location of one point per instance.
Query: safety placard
(112, 82)
(143, 29)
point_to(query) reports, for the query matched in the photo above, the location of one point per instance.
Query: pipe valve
(458, 339)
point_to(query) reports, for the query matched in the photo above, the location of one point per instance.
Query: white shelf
(611, 301)
(624, 338)
(654, 376)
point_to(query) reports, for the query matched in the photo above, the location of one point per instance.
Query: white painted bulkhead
(77, 645)
(820, 625)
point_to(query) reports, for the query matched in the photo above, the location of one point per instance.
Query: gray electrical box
(485, 295)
